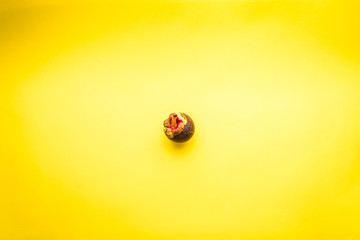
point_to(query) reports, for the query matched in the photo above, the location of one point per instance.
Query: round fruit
(179, 127)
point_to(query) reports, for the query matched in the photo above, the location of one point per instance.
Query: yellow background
(273, 88)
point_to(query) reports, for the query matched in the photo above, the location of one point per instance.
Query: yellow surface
(273, 88)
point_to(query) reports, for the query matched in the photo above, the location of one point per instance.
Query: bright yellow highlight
(272, 86)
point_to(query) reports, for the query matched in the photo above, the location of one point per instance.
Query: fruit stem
(173, 119)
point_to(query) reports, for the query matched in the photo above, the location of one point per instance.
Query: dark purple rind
(187, 133)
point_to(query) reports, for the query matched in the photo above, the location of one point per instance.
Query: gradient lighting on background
(273, 88)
